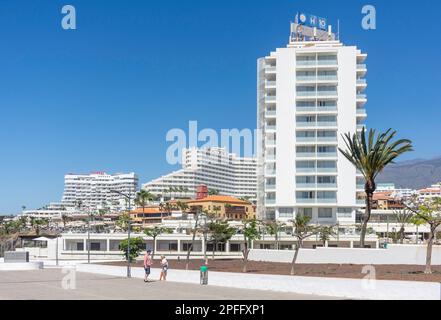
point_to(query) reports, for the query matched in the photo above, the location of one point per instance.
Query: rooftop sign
(312, 21)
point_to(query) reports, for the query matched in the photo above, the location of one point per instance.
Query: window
(305, 179)
(344, 212)
(326, 179)
(305, 195)
(325, 213)
(235, 247)
(286, 212)
(305, 134)
(305, 212)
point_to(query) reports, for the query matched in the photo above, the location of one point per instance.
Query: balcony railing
(316, 78)
(326, 200)
(361, 66)
(361, 96)
(327, 93)
(306, 155)
(270, 157)
(270, 201)
(306, 185)
(327, 108)
(326, 154)
(306, 200)
(270, 98)
(306, 170)
(270, 127)
(326, 139)
(270, 83)
(306, 124)
(327, 185)
(327, 123)
(326, 170)
(306, 139)
(270, 69)
(361, 81)
(361, 111)
(270, 187)
(271, 142)
(270, 172)
(270, 113)
(327, 62)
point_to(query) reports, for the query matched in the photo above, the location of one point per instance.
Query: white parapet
(26, 266)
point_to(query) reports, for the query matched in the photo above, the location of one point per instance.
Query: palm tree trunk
(402, 235)
(367, 216)
(429, 250)
(192, 243)
(294, 259)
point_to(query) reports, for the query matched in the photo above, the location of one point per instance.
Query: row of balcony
(316, 78)
(316, 139)
(317, 93)
(313, 63)
(316, 124)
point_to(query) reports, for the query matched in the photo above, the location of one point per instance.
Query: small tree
(220, 232)
(325, 233)
(427, 211)
(136, 246)
(301, 231)
(123, 221)
(403, 217)
(250, 232)
(154, 233)
(65, 218)
(273, 228)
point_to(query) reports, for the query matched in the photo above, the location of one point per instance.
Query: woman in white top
(164, 268)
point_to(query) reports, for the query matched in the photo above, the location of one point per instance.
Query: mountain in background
(413, 174)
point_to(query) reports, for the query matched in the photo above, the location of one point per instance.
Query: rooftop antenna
(338, 29)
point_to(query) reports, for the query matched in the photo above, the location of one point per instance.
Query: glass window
(306, 212)
(325, 213)
(286, 212)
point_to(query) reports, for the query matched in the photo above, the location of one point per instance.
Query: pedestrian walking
(148, 262)
(164, 269)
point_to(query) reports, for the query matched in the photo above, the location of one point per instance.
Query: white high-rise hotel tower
(309, 94)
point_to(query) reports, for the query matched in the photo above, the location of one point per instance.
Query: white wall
(395, 254)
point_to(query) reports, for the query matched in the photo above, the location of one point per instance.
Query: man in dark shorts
(148, 261)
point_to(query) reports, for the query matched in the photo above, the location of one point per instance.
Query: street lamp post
(128, 198)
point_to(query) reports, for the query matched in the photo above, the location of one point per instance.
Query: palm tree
(370, 155)
(65, 219)
(273, 228)
(143, 197)
(403, 217)
(213, 192)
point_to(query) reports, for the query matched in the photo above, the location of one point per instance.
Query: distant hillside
(415, 174)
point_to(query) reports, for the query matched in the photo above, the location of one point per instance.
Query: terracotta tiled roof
(147, 210)
(220, 199)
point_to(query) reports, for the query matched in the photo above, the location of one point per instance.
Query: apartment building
(97, 190)
(214, 167)
(309, 94)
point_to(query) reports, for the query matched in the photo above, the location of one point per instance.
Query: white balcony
(306, 185)
(326, 154)
(326, 200)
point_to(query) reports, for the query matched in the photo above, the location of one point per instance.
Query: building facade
(310, 93)
(96, 190)
(214, 167)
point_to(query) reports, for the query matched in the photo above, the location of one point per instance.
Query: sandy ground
(383, 272)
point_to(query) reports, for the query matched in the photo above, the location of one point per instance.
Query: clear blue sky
(104, 96)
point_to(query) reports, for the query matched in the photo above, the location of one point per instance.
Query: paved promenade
(47, 285)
